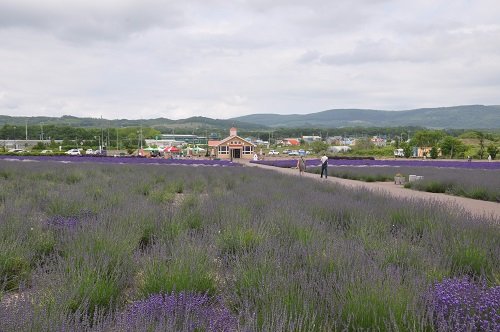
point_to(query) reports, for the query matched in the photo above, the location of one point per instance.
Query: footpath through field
(473, 206)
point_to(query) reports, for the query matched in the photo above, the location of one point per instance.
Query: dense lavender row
(124, 160)
(473, 183)
(460, 304)
(287, 163)
(100, 247)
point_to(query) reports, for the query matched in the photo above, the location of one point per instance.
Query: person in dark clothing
(324, 166)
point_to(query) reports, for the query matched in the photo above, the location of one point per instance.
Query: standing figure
(324, 166)
(301, 165)
(489, 157)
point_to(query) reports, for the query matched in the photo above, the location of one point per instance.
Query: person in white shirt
(324, 166)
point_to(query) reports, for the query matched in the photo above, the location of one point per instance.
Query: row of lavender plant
(125, 160)
(122, 247)
(287, 163)
(473, 183)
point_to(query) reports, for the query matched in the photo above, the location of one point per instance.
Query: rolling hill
(463, 117)
(456, 117)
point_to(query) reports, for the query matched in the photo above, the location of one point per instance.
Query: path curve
(473, 206)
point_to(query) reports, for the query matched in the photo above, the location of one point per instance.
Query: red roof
(171, 149)
(213, 143)
(292, 141)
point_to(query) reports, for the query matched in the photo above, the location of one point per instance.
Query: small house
(232, 147)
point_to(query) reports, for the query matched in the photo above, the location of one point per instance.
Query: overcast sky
(175, 59)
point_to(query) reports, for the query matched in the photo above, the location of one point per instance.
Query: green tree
(426, 138)
(39, 146)
(452, 147)
(364, 144)
(319, 146)
(480, 136)
(396, 142)
(492, 150)
(434, 152)
(407, 150)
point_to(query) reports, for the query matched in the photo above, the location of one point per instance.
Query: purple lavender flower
(462, 305)
(60, 222)
(182, 311)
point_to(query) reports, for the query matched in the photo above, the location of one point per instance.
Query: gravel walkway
(473, 206)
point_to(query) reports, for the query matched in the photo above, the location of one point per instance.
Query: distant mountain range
(462, 117)
(459, 117)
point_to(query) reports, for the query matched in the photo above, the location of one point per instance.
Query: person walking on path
(324, 166)
(301, 165)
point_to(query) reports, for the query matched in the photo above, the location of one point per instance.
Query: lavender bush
(460, 304)
(177, 311)
(81, 243)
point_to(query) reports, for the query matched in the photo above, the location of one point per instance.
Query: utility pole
(26, 130)
(102, 137)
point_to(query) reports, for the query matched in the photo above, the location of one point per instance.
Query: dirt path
(475, 207)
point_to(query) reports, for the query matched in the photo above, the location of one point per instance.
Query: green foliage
(14, 268)
(426, 138)
(470, 259)
(369, 307)
(236, 241)
(407, 149)
(39, 146)
(452, 147)
(492, 150)
(93, 290)
(184, 273)
(434, 152)
(364, 144)
(319, 146)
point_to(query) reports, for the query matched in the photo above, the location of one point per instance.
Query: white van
(399, 153)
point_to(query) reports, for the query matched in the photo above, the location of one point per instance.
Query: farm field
(94, 246)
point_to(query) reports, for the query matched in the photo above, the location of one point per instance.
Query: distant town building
(290, 141)
(378, 141)
(309, 139)
(189, 139)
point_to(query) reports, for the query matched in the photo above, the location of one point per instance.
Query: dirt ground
(473, 206)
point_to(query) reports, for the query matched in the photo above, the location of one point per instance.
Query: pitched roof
(233, 137)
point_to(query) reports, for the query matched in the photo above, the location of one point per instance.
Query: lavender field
(125, 247)
(473, 180)
(122, 160)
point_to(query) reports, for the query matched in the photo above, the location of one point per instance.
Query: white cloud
(152, 58)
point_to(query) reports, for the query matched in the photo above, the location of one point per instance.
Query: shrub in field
(187, 271)
(377, 307)
(471, 260)
(14, 268)
(461, 304)
(184, 311)
(234, 241)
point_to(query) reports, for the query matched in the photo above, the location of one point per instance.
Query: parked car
(47, 152)
(90, 151)
(273, 152)
(73, 152)
(293, 153)
(16, 151)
